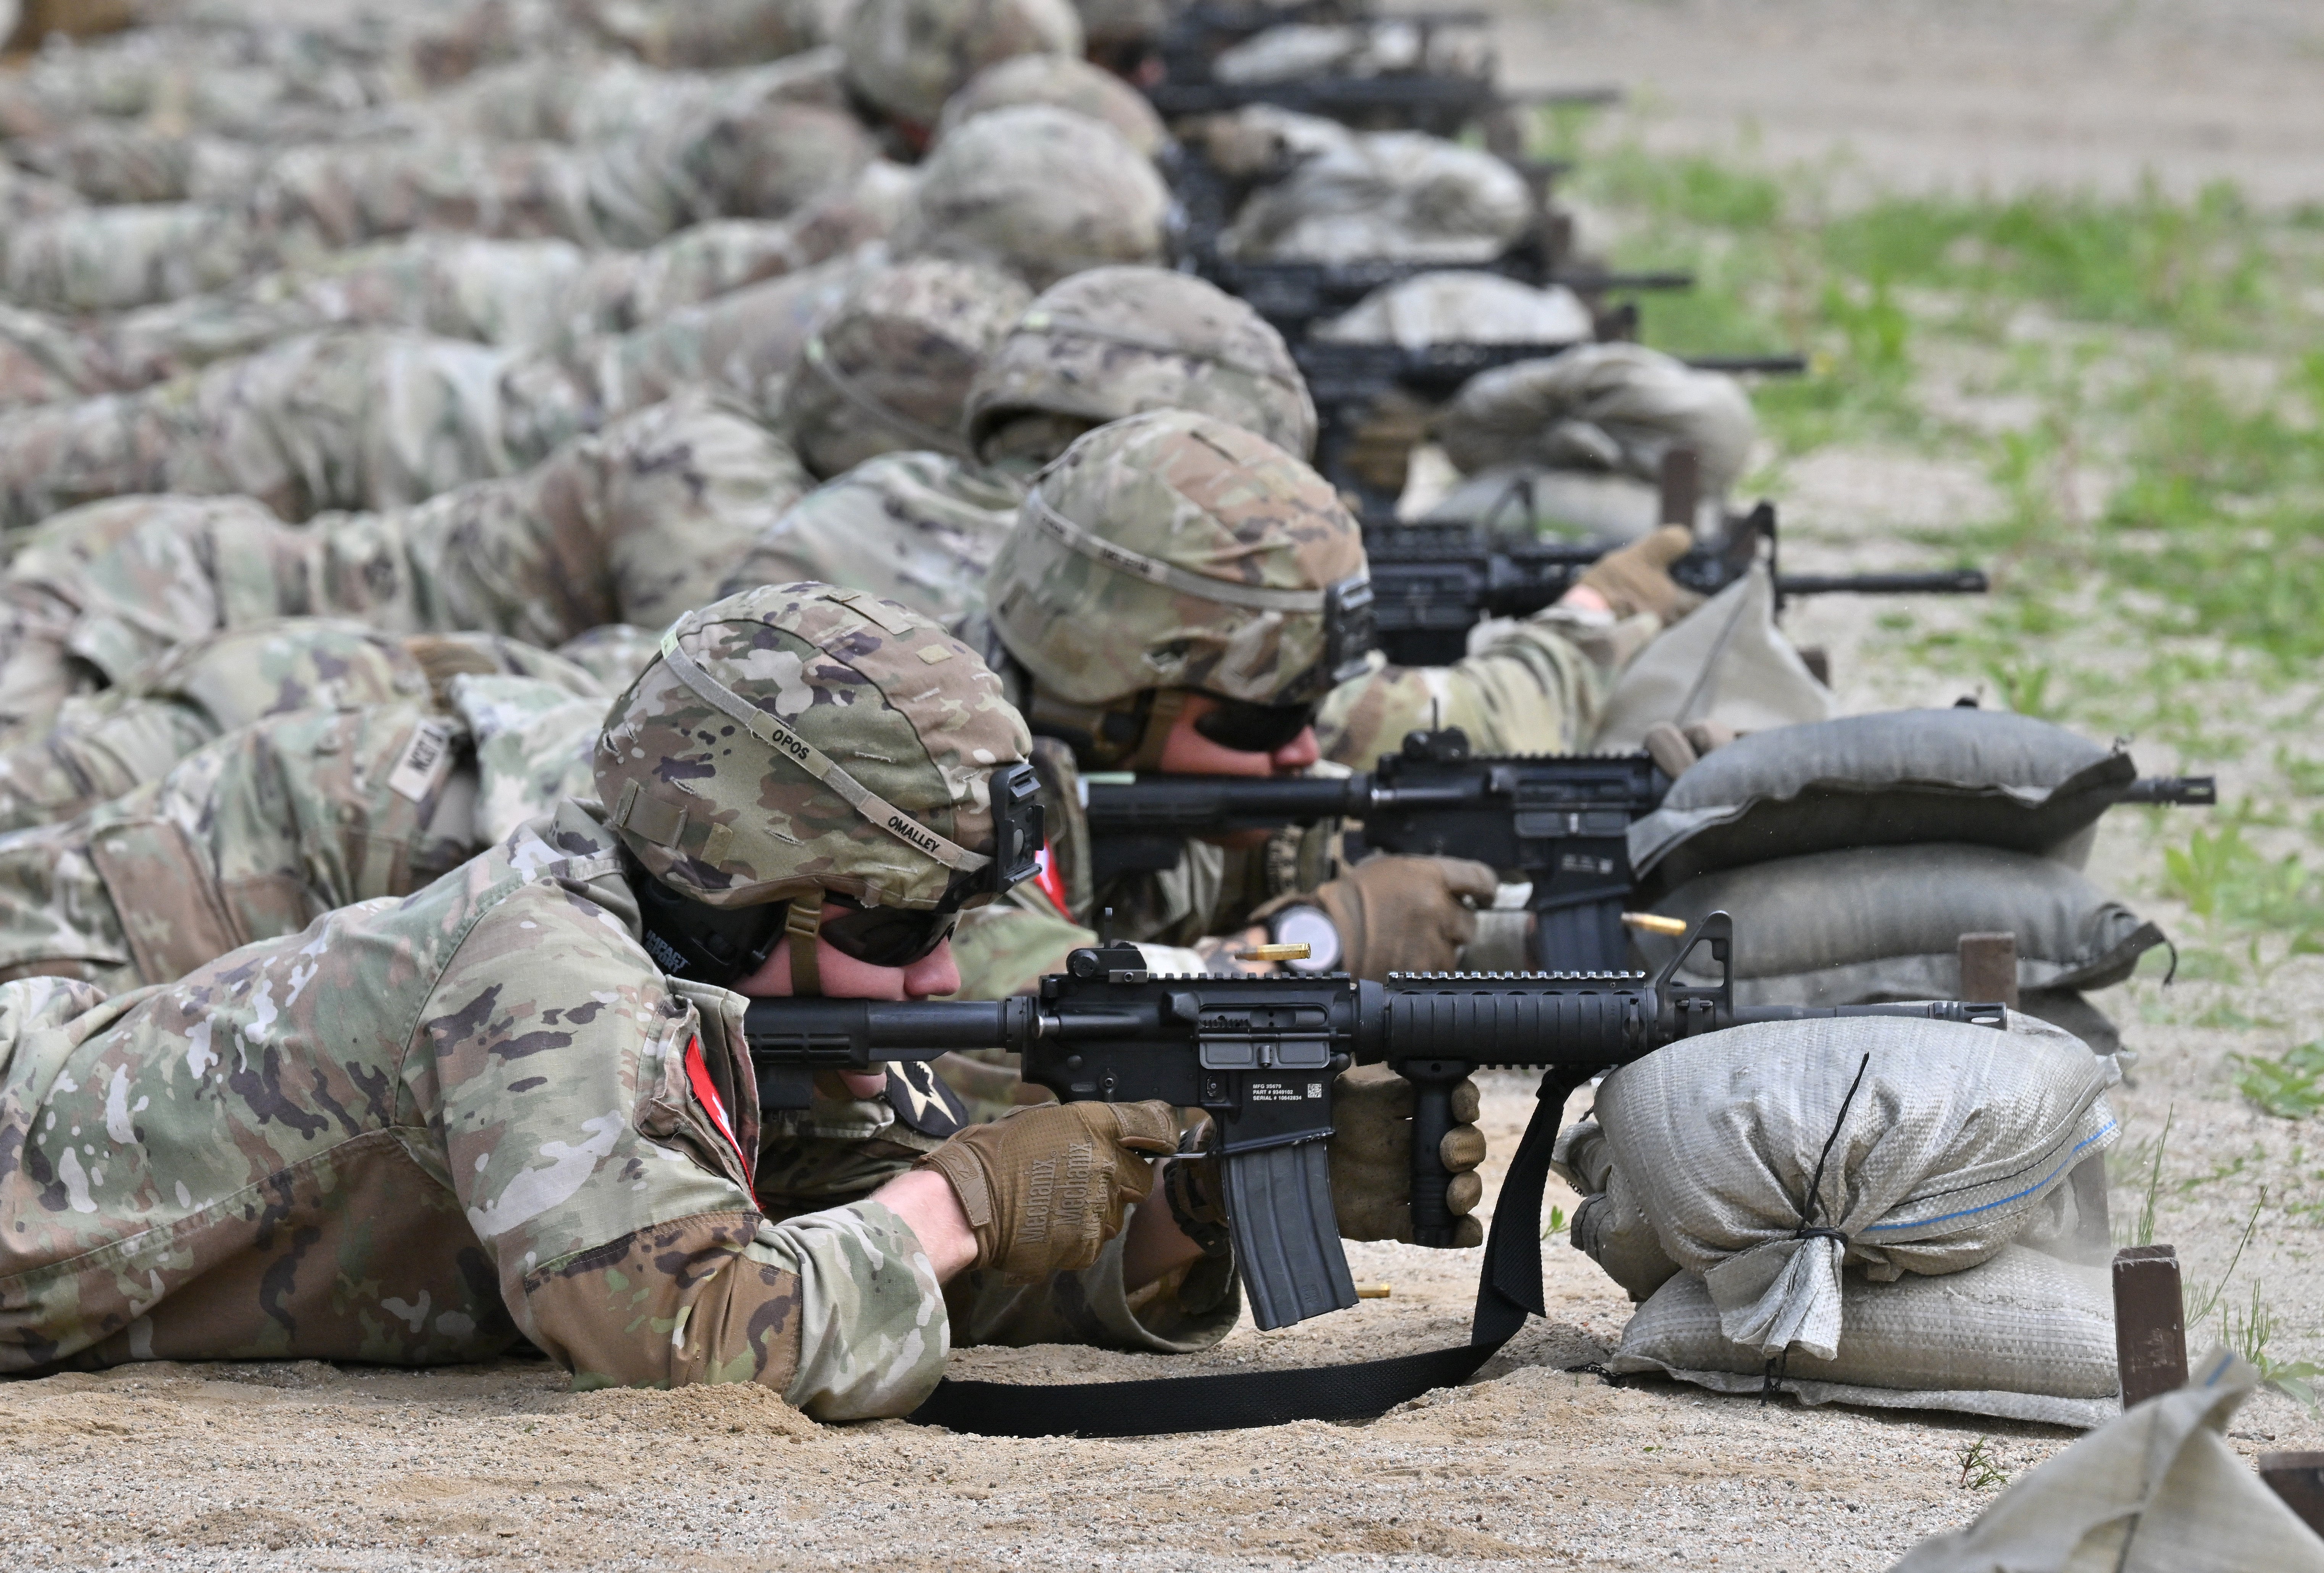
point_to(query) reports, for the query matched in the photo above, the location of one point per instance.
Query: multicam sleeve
(1530, 687)
(598, 1166)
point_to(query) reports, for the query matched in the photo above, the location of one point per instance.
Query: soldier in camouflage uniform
(761, 161)
(635, 524)
(103, 745)
(1039, 192)
(371, 418)
(905, 58)
(1175, 599)
(255, 834)
(1066, 81)
(924, 527)
(520, 294)
(517, 1104)
(264, 81)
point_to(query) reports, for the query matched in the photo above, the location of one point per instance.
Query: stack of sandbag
(1855, 853)
(1886, 1211)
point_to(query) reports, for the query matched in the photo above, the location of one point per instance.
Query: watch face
(1310, 927)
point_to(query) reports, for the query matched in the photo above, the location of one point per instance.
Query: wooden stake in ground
(2150, 1322)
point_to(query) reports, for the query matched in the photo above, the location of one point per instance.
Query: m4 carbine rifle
(1259, 1056)
(1431, 583)
(1560, 822)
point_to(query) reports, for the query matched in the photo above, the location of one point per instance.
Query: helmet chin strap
(1160, 720)
(803, 926)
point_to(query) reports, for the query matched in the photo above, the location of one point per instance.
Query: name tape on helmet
(767, 729)
(1226, 592)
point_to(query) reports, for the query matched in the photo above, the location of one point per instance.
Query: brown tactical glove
(1404, 914)
(1637, 578)
(1371, 1156)
(1045, 1188)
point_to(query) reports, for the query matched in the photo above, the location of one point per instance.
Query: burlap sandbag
(2022, 1336)
(1985, 777)
(1879, 923)
(2157, 1491)
(1769, 1155)
(1725, 662)
(1460, 306)
(1613, 407)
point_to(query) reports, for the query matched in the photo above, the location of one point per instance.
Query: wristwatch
(1302, 924)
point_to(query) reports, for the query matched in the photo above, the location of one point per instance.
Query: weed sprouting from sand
(2141, 1229)
(2289, 1087)
(1981, 1467)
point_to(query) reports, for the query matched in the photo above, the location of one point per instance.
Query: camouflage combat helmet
(1173, 553)
(766, 160)
(890, 367)
(1040, 191)
(1067, 82)
(906, 57)
(1118, 341)
(799, 743)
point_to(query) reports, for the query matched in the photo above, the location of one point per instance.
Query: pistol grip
(1432, 1116)
(1286, 1236)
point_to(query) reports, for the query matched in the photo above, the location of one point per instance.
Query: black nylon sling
(1507, 1291)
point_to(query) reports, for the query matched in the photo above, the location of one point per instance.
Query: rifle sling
(1507, 1291)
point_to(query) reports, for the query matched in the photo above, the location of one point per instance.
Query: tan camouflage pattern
(919, 528)
(348, 418)
(1117, 341)
(906, 57)
(242, 82)
(250, 838)
(517, 294)
(612, 654)
(1205, 498)
(915, 716)
(636, 524)
(762, 161)
(104, 744)
(371, 418)
(1038, 191)
(1069, 83)
(889, 367)
(112, 161)
(1533, 687)
(286, 1175)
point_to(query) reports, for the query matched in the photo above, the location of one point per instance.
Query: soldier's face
(846, 978)
(1186, 751)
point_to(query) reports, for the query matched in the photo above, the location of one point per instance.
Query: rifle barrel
(1789, 365)
(2189, 790)
(1957, 581)
(1596, 282)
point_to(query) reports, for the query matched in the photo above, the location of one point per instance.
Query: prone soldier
(518, 1103)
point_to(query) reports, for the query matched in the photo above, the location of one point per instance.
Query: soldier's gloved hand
(1012, 1177)
(1637, 578)
(1371, 1156)
(1403, 914)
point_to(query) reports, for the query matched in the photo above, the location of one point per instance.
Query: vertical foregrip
(1432, 1116)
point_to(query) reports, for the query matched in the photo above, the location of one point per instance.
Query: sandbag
(1880, 923)
(1986, 777)
(1612, 407)
(1460, 306)
(1726, 663)
(1532, 501)
(1610, 1226)
(1770, 1155)
(2022, 1336)
(2158, 1490)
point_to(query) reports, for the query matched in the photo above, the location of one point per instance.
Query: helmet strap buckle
(803, 926)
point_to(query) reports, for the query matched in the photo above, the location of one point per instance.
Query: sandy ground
(1540, 1463)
